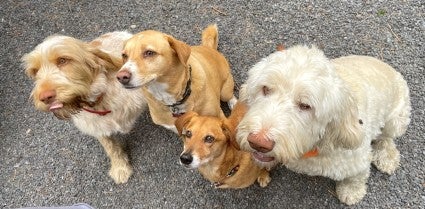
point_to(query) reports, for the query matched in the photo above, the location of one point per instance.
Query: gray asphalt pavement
(48, 162)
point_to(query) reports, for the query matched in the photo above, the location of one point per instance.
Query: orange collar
(312, 153)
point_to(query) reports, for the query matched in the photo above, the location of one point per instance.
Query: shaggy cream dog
(76, 80)
(325, 117)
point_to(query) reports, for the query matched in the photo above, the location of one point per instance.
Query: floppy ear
(345, 129)
(108, 61)
(29, 71)
(229, 132)
(182, 49)
(183, 120)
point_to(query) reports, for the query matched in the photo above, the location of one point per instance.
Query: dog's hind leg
(386, 157)
(121, 169)
(226, 94)
(352, 189)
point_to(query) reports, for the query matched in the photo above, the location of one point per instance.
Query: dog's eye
(188, 134)
(209, 139)
(304, 106)
(61, 61)
(266, 90)
(124, 57)
(148, 53)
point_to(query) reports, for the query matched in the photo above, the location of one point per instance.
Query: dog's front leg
(352, 189)
(121, 169)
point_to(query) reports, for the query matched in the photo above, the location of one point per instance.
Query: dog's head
(63, 69)
(204, 138)
(296, 102)
(149, 55)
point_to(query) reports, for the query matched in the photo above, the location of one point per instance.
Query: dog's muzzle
(186, 158)
(260, 143)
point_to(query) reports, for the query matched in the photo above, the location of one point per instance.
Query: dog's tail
(210, 36)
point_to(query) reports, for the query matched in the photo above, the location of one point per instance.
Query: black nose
(186, 158)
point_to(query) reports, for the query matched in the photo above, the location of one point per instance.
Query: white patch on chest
(159, 91)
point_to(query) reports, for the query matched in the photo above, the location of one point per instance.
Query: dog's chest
(159, 92)
(124, 106)
(337, 164)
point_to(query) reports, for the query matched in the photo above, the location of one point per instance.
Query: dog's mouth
(64, 110)
(262, 157)
(131, 86)
(56, 105)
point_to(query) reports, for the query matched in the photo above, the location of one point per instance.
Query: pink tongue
(55, 105)
(261, 157)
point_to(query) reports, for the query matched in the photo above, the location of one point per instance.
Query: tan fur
(164, 75)
(77, 75)
(222, 155)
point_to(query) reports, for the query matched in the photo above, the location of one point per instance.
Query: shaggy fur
(325, 117)
(166, 68)
(74, 80)
(210, 146)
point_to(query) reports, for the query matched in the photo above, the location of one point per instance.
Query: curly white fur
(301, 101)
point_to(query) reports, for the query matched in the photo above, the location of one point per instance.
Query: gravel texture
(48, 162)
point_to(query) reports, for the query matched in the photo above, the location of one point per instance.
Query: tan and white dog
(77, 80)
(210, 146)
(324, 117)
(175, 77)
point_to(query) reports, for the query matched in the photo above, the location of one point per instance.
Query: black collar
(186, 93)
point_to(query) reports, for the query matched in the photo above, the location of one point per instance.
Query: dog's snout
(47, 97)
(260, 142)
(186, 158)
(124, 76)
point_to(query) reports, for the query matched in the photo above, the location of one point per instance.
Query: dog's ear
(30, 70)
(182, 49)
(108, 61)
(183, 120)
(345, 129)
(229, 132)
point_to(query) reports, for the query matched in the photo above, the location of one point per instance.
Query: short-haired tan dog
(210, 146)
(175, 77)
(76, 80)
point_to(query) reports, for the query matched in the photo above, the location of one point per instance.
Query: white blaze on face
(131, 66)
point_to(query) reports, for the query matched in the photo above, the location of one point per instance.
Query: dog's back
(363, 72)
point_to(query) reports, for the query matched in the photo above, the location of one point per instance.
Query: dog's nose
(124, 76)
(260, 142)
(186, 158)
(47, 97)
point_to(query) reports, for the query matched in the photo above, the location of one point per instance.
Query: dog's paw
(120, 173)
(232, 102)
(350, 192)
(264, 179)
(386, 157)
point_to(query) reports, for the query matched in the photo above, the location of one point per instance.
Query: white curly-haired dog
(76, 80)
(325, 117)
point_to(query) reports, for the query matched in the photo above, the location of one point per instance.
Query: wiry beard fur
(71, 108)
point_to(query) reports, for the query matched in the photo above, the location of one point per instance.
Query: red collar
(312, 153)
(99, 112)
